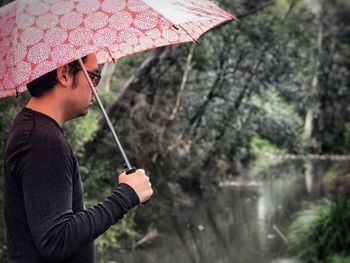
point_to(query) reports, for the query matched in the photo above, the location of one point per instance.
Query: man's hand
(138, 181)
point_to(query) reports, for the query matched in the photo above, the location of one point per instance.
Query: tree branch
(256, 10)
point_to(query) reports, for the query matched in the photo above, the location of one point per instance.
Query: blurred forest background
(274, 83)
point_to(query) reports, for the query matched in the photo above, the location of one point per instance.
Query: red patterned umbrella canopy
(38, 36)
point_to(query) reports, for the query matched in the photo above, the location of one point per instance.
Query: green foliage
(82, 130)
(273, 105)
(316, 233)
(336, 172)
(260, 147)
(323, 230)
(278, 121)
(338, 259)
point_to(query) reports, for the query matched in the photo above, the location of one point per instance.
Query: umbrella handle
(129, 170)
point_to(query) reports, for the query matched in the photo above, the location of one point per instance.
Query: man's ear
(63, 76)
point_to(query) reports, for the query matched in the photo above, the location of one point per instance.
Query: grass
(322, 232)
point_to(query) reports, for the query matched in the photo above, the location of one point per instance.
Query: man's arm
(47, 188)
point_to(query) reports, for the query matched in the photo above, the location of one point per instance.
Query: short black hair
(46, 82)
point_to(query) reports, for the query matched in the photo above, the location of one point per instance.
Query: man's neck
(48, 107)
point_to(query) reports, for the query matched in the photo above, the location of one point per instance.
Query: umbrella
(38, 36)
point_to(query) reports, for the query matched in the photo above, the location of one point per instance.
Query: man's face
(81, 94)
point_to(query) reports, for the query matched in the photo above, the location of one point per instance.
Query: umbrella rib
(110, 54)
(194, 40)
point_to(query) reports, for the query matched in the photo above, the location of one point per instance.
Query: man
(46, 220)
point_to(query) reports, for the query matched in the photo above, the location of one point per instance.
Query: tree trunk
(183, 83)
(107, 73)
(315, 87)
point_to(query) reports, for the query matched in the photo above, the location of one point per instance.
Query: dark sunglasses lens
(96, 80)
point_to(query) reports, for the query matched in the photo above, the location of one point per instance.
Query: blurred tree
(332, 122)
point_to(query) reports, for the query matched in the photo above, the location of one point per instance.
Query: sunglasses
(94, 77)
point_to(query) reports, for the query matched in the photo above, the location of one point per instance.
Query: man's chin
(83, 113)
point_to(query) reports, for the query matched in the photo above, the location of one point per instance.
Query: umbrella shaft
(109, 123)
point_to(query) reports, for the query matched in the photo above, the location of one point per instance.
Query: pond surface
(242, 221)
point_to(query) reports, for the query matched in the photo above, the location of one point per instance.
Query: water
(244, 221)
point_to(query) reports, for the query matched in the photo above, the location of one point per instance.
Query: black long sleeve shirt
(46, 220)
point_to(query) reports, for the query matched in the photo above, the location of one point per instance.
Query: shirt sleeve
(46, 176)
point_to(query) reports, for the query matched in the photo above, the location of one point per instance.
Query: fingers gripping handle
(130, 171)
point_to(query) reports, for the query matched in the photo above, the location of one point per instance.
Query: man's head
(66, 91)
(47, 82)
